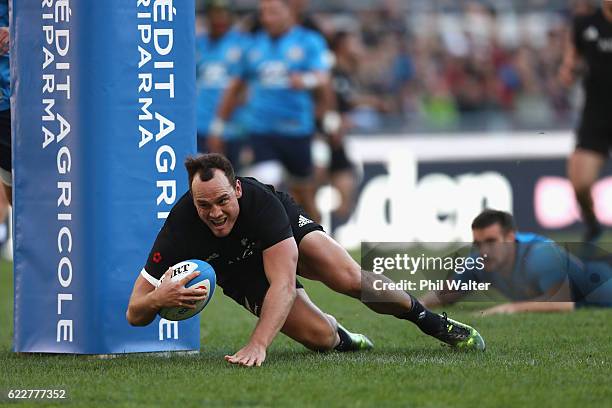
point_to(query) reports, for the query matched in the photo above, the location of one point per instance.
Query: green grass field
(543, 361)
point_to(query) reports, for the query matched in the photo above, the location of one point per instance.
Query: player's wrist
(332, 122)
(310, 80)
(217, 127)
(155, 300)
(258, 343)
(261, 338)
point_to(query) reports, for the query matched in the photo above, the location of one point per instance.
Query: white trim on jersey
(149, 278)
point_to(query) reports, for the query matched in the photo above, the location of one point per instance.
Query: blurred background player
(282, 68)
(329, 155)
(299, 8)
(591, 43)
(348, 51)
(5, 124)
(535, 273)
(220, 49)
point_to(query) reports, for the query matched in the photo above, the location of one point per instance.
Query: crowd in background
(465, 65)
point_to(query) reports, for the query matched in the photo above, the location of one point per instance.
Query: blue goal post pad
(103, 115)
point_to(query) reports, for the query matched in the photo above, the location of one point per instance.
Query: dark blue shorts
(294, 153)
(593, 287)
(233, 150)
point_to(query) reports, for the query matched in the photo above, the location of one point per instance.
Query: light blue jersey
(218, 62)
(274, 107)
(5, 78)
(541, 265)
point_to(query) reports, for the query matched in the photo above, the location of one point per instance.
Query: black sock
(345, 340)
(429, 322)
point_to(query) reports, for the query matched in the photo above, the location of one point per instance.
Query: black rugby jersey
(593, 41)
(262, 222)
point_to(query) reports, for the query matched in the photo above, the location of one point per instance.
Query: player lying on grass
(256, 239)
(536, 274)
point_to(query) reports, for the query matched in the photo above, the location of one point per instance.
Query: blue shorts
(593, 288)
(294, 153)
(233, 150)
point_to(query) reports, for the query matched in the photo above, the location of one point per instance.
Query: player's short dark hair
(203, 6)
(205, 164)
(491, 217)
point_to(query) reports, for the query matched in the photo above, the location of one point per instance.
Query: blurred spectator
(453, 65)
(463, 73)
(219, 51)
(284, 65)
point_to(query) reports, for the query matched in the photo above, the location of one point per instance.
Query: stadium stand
(456, 65)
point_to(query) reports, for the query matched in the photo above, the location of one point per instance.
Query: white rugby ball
(206, 279)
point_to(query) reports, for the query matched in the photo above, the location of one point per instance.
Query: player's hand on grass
(250, 355)
(175, 294)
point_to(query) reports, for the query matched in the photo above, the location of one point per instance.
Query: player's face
(495, 245)
(219, 21)
(275, 16)
(217, 202)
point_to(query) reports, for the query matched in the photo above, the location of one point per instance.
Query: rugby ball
(207, 279)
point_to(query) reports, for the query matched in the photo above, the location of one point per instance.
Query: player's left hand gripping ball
(206, 279)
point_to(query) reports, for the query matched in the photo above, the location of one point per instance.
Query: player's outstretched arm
(146, 300)
(280, 264)
(556, 299)
(529, 307)
(231, 99)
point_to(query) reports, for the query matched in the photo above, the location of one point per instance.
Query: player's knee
(581, 183)
(321, 337)
(332, 320)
